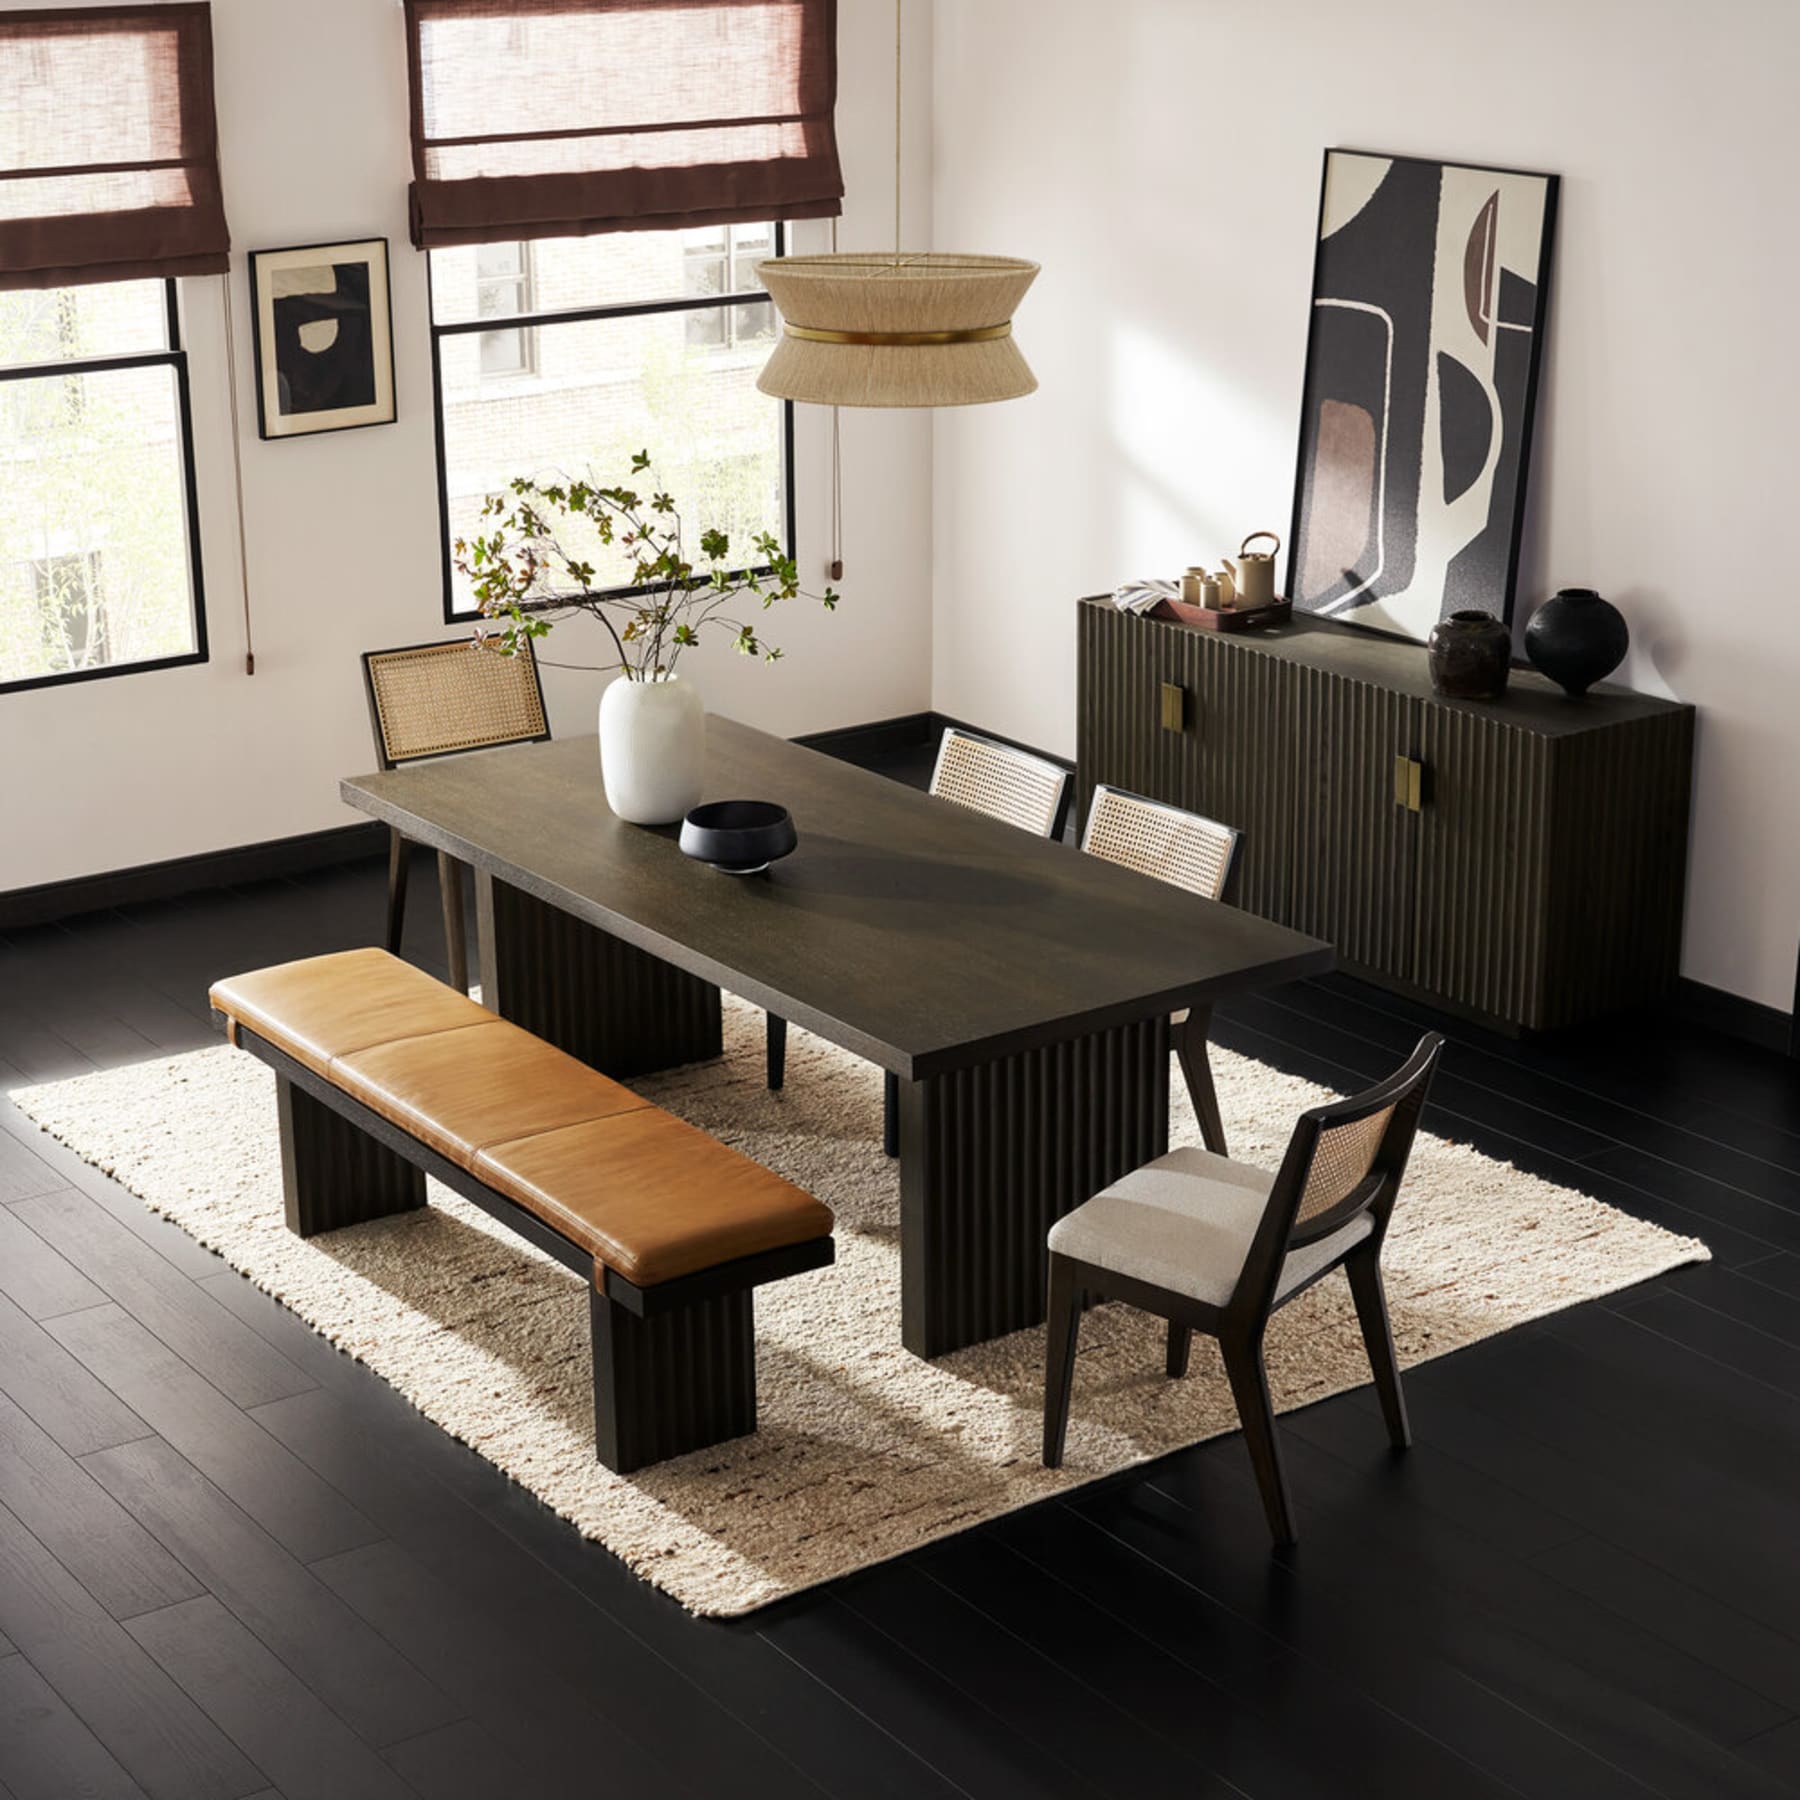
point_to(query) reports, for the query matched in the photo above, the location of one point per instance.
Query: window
(623, 341)
(99, 558)
(723, 261)
(503, 291)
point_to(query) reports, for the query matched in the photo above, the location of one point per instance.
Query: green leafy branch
(526, 578)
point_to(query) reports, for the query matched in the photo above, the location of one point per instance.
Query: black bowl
(742, 837)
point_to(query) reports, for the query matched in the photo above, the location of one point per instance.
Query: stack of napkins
(1143, 596)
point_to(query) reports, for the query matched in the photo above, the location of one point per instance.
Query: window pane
(605, 389)
(499, 259)
(618, 268)
(503, 353)
(110, 318)
(708, 327)
(704, 276)
(93, 523)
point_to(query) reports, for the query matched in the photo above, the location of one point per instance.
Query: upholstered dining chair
(987, 776)
(1193, 852)
(1218, 1246)
(437, 700)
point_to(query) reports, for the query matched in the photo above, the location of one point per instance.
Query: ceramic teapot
(1254, 572)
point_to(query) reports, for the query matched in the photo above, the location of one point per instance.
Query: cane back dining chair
(1193, 852)
(1218, 1246)
(437, 700)
(987, 776)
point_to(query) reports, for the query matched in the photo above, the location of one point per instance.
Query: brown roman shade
(109, 160)
(556, 118)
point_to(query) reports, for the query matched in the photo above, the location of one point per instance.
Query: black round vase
(1469, 654)
(1576, 638)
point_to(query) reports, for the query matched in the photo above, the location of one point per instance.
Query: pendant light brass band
(978, 334)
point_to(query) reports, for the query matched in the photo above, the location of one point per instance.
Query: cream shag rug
(862, 1451)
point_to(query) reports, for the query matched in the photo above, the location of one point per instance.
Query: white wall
(1161, 159)
(343, 528)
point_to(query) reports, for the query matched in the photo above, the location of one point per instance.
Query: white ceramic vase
(652, 748)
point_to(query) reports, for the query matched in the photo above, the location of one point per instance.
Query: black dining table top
(920, 935)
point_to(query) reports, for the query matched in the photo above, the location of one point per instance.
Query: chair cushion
(651, 1196)
(326, 1007)
(460, 1091)
(1185, 1222)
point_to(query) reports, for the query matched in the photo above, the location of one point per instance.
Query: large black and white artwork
(324, 339)
(1421, 373)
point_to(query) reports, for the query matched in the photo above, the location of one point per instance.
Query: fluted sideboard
(1522, 861)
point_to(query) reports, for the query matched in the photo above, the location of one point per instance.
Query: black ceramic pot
(741, 837)
(1576, 638)
(1469, 655)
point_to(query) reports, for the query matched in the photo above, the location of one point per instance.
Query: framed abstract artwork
(324, 338)
(1429, 285)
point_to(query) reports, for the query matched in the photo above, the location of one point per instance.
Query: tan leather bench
(384, 1076)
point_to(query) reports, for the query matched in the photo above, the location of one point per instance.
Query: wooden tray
(1239, 618)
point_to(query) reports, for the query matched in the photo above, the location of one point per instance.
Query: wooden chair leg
(1181, 1339)
(456, 938)
(1059, 1368)
(1250, 1389)
(398, 864)
(890, 1113)
(1190, 1047)
(1364, 1269)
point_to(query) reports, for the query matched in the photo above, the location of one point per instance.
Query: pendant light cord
(237, 465)
(836, 569)
(897, 130)
(837, 435)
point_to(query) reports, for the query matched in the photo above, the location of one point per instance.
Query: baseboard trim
(911, 731)
(1731, 1015)
(907, 732)
(53, 900)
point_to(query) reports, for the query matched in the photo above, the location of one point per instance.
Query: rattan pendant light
(910, 328)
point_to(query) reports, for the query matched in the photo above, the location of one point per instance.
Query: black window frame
(174, 357)
(582, 316)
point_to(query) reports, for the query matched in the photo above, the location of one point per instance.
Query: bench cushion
(644, 1193)
(651, 1196)
(460, 1091)
(325, 1007)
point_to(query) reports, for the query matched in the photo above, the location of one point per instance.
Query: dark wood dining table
(1020, 991)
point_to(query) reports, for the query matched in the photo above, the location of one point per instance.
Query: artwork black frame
(381, 316)
(1502, 603)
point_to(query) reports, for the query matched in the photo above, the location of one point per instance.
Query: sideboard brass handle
(1409, 783)
(1174, 707)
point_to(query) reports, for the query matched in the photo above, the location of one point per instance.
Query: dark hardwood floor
(233, 1562)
